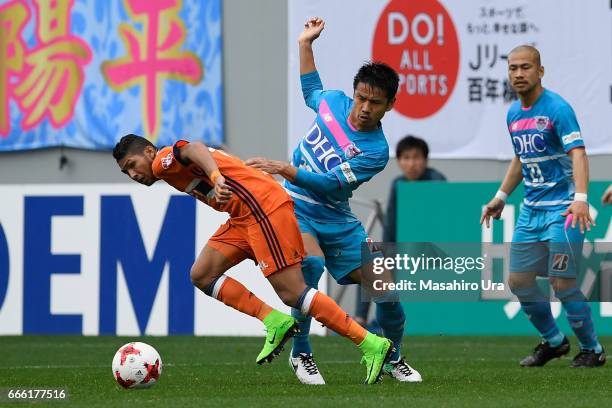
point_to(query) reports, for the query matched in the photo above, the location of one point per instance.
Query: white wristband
(580, 197)
(501, 195)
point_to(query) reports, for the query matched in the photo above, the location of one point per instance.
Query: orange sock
(325, 310)
(234, 294)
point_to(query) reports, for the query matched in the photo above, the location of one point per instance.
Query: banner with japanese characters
(451, 57)
(82, 73)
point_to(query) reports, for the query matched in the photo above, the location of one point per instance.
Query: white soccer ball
(137, 365)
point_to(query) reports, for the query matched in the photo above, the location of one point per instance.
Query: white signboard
(451, 59)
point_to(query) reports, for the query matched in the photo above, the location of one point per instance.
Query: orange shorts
(273, 243)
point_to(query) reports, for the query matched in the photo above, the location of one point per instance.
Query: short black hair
(378, 75)
(130, 144)
(411, 142)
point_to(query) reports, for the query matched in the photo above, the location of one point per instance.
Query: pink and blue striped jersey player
(344, 148)
(550, 159)
(542, 136)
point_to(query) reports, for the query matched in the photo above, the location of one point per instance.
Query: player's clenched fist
(312, 29)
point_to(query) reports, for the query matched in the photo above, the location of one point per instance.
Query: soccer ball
(137, 365)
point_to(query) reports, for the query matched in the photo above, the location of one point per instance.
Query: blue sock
(312, 269)
(578, 314)
(537, 309)
(391, 318)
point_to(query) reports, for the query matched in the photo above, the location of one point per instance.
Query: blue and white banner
(112, 259)
(84, 73)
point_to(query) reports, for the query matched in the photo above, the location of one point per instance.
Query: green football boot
(376, 352)
(280, 328)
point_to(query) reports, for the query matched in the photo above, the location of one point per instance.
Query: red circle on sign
(419, 41)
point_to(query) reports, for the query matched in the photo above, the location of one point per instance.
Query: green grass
(221, 372)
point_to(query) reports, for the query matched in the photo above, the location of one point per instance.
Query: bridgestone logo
(560, 262)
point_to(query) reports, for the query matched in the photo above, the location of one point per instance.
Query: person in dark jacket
(412, 155)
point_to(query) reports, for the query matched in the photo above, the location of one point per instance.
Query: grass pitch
(221, 372)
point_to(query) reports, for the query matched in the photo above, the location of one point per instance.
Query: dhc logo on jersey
(322, 149)
(529, 143)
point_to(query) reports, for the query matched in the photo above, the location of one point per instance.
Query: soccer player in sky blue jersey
(344, 147)
(551, 160)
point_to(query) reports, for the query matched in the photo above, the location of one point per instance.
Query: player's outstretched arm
(580, 206)
(512, 179)
(312, 30)
(318, 183)
(312, 87)
(198, 153)
(283, 169)
(345, 177)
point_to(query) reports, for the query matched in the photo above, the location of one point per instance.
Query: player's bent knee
(288, 296)
(198, 279)
(518, 281)
(513, 284)
(562, 284)
(201, 276)
(288, 284)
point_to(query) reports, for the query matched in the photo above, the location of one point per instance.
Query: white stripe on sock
(308, 300)
(217, 287)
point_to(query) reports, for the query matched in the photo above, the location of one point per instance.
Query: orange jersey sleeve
(254, 193)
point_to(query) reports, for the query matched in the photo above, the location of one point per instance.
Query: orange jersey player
(254, 196)
(262, 227)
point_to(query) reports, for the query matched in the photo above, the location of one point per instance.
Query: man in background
(412, 158)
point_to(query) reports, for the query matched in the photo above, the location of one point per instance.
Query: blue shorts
(340, 243)
(541, 244)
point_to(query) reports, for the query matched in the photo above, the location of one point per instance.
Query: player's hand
(493, 209)
(269, 166)
(222, 192)
(606, 198)
(312, 29)
(580, 210)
